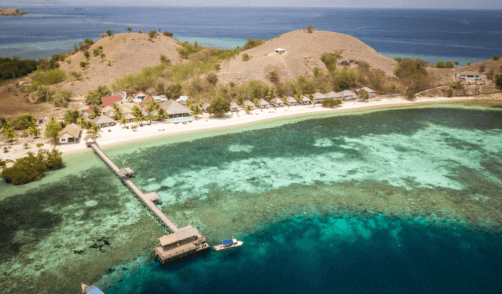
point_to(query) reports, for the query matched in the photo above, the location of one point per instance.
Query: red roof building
(148, 98)
(109, 100)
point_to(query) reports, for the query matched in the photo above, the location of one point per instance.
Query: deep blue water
(471, 34)
(336, 255)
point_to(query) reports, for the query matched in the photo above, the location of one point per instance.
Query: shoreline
(118, 136)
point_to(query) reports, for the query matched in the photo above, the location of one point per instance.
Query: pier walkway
(147, 199)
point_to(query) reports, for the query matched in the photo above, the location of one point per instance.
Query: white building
(70, 134)
(280, 51)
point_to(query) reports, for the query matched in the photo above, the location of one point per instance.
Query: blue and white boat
(228, 244)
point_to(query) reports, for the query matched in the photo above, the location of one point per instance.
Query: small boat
(90, 289)
(227, 244)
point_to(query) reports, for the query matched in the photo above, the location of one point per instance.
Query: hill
(303, 53)
(128, 53)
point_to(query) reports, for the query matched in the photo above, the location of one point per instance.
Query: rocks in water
(78, 251)
(11, 12)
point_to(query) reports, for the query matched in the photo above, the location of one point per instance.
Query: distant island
(11, 12)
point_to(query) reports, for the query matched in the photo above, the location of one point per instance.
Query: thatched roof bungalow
(291, 101)
(103, 121)
(348, 95)
(128, 116)
(277, 102)
(305, 100)
(175, 109)
(234, 107)
(318, 97)
(249, 103)
(263, 103)
(70, 134)
(205, 106)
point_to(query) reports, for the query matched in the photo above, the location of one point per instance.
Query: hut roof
(106, 108)
(319, 96)
(291, 99)
(332, 95)
(72, 129)
(277, 100)
(128, 116)
(173, 107)
(103, 119)
(109, 100)
(263, 102)
(233, 105)
(249, 103)
(369, 90)
(306, 99)
(181, 234)
(346, 93)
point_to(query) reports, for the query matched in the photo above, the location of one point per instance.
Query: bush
(489, 74)
(32, 167)
(2, 163)
(440, 64)
(188, 49)
(109, 33)
(140, 32)
(273, 76)
(152, 34)
(50, 77)
(40, 145)
(87, 54)
(251, 43)
(329, 59)
(217, 67)
(344, 78)
(167, 34)
(413, 73)
(212, 79)
(498, 81)
(10, 69)
(482, 68)
(331, 102)
(83, 64)
(129, 30)
(309, 29)
(245, 57)
(219, 106)
(398, 59)
(450, 92)
(24, 121)
(60, 97)
(495, 57)
(95, 52)
(449, 64)
(94, 96)
(165, 60)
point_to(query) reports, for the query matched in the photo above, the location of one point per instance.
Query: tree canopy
(219, 106)
(32, 167)
(94, 96)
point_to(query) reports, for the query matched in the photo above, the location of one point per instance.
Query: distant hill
(303, 53)
(128, 53)
(11, 12)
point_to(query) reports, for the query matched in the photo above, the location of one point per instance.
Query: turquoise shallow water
(427, 179)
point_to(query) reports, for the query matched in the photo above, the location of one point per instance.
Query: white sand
(119, 135)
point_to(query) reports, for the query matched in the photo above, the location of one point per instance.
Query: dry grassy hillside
(128, 53)
(445, 76)
(303, 52)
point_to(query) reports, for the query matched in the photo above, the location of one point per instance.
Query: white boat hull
(223, 247)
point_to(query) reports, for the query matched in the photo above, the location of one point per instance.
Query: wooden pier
(182, 241)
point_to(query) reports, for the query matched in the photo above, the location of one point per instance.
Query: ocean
(456, 35)
(378, 201)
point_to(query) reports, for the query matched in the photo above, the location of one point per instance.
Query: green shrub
(10, 69)
(167, 34)
(60, 97)
(329, 59)
(40, 145)
(94, 96)
(50, 77)
(24, 121)
(217, 67)
(309, 29)
(219, 106)
(413, 74)
(489, 74)
(449, 64)
(495, 57)
(482, 68)
(140, 32)
(109, 33)
(212, 79)
(440, 64)
(344, 78)
(450, 92)
(498, 81)
(165, 60)
(245, 57)
(152, 34)
(398, 59)
(468, 63)
(331, 102)
(87, 54)
(251, 43)
(2, 163)
(95, 52)
(32, 167)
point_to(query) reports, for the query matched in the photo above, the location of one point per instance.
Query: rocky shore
(11, 12)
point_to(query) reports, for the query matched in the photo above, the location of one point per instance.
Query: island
(11, 12)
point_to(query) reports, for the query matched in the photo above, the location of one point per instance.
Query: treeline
(15, 68)
(32, 167)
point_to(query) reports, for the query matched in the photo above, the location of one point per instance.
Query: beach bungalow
(110, 100)
(370, 92)
(175, 109)
(127, 107)
(318, 97)
(305, 100)
(160, 98)
(280, 51)
(234, 107)
(249, 103)
(182, 100)
(333, 95)
(263, 103)
(128, 116)
(277, 102)
(70, 134)
(291, 101)
(348, 95)
(205, 106)
(140, 96)
(103, 121)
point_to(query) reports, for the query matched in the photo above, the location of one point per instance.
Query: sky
(430, 4)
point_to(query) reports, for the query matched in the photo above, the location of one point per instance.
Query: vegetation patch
(32, 167)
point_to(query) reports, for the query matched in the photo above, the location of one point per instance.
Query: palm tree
(123, 122)
(117, 112)
(196, 111)
(150, 107)
(138, 114)
(248, 109)
(94, 130)
(161, 114)
(285, 100)
(256, 102)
